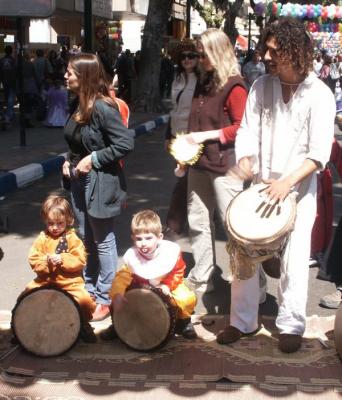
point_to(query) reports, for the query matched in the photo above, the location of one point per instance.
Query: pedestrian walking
(8, 73)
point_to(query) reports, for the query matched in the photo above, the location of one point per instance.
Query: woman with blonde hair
(97, 141)
(217, 109)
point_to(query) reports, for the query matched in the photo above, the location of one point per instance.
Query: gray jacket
(110, 140)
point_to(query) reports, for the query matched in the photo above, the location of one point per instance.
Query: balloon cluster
(260, 7)
(317, 27)
(305, 10)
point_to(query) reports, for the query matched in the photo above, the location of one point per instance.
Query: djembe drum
(46, 321)
(257, 231)
(147, 320)
(338, 332)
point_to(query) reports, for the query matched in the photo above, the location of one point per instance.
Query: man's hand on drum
(277, 190)
(118, 302)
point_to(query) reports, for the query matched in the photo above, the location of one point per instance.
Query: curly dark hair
(295, 43)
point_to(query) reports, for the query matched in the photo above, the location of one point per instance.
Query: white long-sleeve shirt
(279, 138)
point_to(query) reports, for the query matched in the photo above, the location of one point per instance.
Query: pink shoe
(101, 312)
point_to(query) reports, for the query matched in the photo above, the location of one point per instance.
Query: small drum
(147, 321)
(184, 152)
(46, 321)
(338, 332)
(257, 230)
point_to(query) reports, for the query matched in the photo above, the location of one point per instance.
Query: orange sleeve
(37, 256)
(75, 259)
(121, 281)
(175, 277)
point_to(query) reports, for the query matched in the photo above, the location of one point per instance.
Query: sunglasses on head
(190, 55)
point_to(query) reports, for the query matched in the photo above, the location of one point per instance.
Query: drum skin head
(144, 322)
(46, 322)
(244, 222)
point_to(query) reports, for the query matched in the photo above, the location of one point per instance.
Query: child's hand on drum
(165, 289)
(118, 302)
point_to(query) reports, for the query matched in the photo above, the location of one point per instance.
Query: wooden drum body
(147, 320)
(338, 331)
(257, 232)
(46, 321)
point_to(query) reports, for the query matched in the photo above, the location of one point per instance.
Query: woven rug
(253, 360)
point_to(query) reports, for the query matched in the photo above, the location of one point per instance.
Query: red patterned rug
(254, 360)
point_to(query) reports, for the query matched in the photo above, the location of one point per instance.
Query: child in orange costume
(58, 257)
(158, 263)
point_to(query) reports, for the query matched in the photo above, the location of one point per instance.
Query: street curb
(24, 176)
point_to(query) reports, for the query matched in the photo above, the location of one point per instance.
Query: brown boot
(289, 343)
(231, 334)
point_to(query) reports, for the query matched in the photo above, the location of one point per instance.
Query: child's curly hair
(295, 43)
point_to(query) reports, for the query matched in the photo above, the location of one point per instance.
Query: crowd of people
(253, 127)
(44, 94)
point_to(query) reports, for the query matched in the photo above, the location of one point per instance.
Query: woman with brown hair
(97, 141)
(217, 109)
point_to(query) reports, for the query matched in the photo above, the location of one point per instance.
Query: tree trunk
(231, 13)
(148, 94)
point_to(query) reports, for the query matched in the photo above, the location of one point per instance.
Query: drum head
(46, 321)
(243, 220)
(144, 323)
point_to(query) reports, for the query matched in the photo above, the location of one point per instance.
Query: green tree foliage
(220, 11)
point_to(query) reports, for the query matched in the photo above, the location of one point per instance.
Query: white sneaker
(312, 262)
(205, 287)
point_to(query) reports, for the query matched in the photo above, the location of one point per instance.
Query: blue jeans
(10, 101)
(99, 240)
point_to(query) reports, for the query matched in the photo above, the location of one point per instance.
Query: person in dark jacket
(8, 72)
(216, 112)
(97, 141)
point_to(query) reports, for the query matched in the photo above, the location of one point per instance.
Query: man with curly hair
(285, 137)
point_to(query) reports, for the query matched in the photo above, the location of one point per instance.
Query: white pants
(293, 283)
(207, 191)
